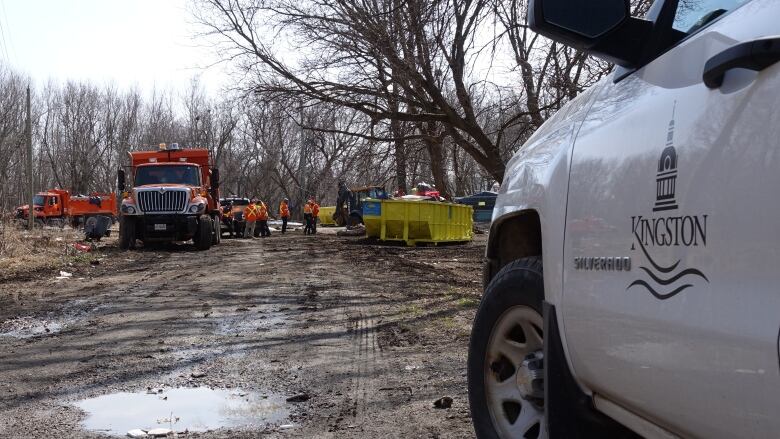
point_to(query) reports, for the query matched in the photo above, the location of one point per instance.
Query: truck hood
(166, 185)
(26, 207)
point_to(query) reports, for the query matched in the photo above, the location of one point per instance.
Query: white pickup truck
(650, 201)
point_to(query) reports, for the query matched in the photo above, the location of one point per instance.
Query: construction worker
(315, 215)
(262, 219)
(250, 215)
(307, 229)
(284, 213)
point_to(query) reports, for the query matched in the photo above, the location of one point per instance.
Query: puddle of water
(193, 409)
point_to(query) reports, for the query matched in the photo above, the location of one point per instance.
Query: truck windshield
(38, 200)
(186, 175)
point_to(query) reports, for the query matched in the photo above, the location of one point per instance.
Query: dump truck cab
(174, 197)
(49, 204)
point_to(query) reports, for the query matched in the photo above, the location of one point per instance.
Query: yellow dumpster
(326, 215)
(414, 221)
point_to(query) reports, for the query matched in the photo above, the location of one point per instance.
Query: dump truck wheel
(126, 233)
(39, 223)
(203, 237)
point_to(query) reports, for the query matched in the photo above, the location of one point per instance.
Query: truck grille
(171, 200)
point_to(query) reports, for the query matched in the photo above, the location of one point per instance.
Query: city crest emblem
(671, 230)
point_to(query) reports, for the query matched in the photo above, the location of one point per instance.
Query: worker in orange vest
(250, 215)
(262, 218)
(307, 218)
(315, 215)
(227, 218)
(284, 213)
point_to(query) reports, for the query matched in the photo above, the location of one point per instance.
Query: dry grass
(23, 251)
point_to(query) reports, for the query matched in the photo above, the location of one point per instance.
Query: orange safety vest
(250, 212)
(315, 210)
(284, 210)
(262, 214)
(307, 208)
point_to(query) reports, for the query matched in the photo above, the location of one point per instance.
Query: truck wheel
(203, 237)
(39, 223)
(126, 233)
(505, 360)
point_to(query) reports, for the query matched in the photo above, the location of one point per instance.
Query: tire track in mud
(365, 358)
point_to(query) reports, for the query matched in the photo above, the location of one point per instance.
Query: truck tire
(127, 233)
(506, 340)
(203, 236)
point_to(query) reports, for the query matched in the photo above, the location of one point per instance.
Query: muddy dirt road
(360, 338)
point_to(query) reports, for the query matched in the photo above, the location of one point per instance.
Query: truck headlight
(195, 208)
(130, 210)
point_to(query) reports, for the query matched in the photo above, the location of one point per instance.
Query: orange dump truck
(174, 197)
(56, 207)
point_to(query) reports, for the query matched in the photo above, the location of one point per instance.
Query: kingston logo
(666, 281)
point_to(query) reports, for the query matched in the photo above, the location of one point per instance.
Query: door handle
(753, 55)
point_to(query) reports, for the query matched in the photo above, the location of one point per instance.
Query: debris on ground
(198, 374)
(64, 275)
(82, 247)
(300, 397)
(137, 433)
(444, 402)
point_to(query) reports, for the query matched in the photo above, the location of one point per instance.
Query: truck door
(670, 307)
(55, 207)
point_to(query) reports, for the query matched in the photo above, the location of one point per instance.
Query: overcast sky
(128, 42)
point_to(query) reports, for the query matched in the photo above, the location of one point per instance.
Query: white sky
(148, 43)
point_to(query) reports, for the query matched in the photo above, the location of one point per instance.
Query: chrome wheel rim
(516, 340)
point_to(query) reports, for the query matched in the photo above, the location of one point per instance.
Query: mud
(364, 337)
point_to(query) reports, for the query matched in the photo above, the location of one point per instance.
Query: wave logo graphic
(665, 278)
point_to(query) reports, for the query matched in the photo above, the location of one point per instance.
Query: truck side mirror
(215, 178)
(602, 28)
(120, 178)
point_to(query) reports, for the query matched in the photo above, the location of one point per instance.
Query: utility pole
(31, 194)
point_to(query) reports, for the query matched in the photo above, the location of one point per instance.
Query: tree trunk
(436, 153)
(400, 156)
